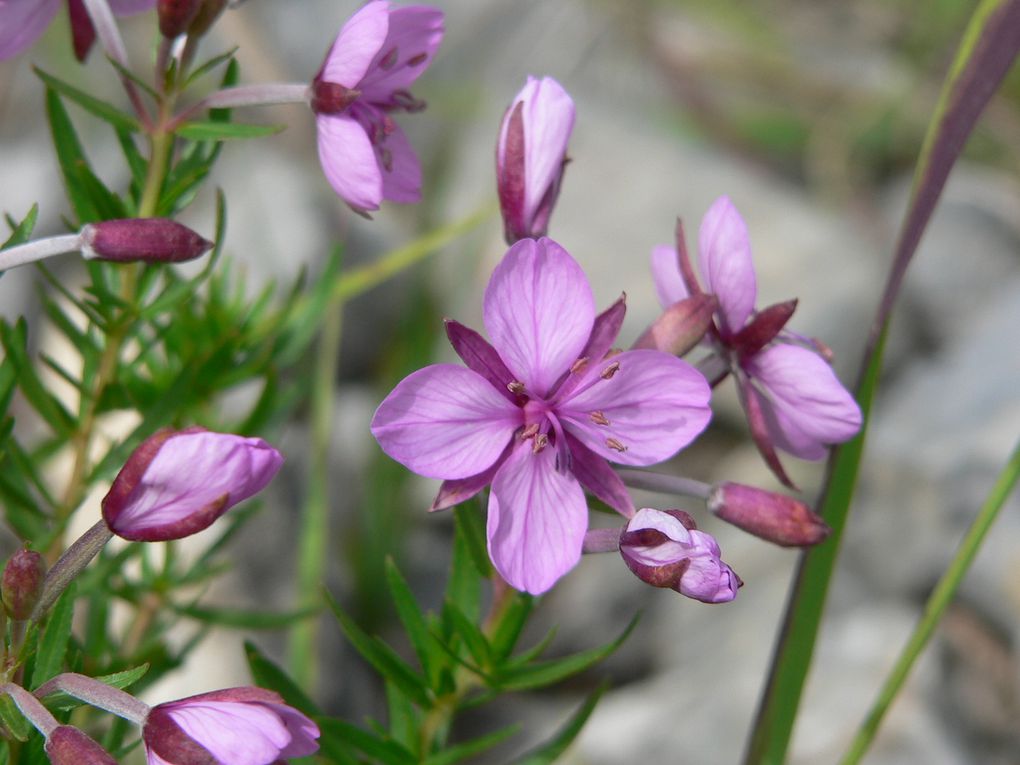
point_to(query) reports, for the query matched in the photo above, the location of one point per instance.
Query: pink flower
(22, 22)
(178, 482)
(665, 549)
(793, 399)
(236, 726)
(531, 156)
(377, 56)
(540, 412)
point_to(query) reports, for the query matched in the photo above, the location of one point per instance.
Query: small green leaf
(106, 112)
(473, 638)
(383, 658)
(463, 586)
(414, 622)
(49, 656)
(267, 674)
(244, 619)
(542, 673)
(15, 343)
(403, 718)
(460, 752)
(341, 734)
(511, 623)
(21, 233)
(71, 158)
(548, 752)
(208, 66)
(221, 131)
(13, 720)
(472, 526)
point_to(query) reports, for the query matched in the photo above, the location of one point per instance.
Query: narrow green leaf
(463, 586)
(460, 752)
(267, 674)
(403, 717)
(511, 623)
(383, 658)
(341, 734)
(221, 131)
(208, 66)
(21, 232)
(70, 157)
(548, 752)
(49, 657)
(15, 343)
(242, 618)
(414, 622)
(106, 112)
(471, 524)
(472, 636)
(13, 720)
(542, 673)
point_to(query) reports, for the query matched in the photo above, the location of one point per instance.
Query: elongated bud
(22, 581)
(67, 745)
(531, 155)
(665, 549)
(774, 517)
(681, 326)
(176, 483)
(83, 34)
(176, 15)
(154, 240)
(209, 11)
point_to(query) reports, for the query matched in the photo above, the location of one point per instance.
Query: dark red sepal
(763, 328)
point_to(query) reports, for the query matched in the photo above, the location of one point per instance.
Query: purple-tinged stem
(32, 708)
(268, 94)
(39, 249)
(71, 563)
(601, 541)
(109, 37)
(97, 694)
(664, 484)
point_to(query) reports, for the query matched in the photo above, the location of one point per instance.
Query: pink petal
(357, 44)
(726, 267)
(415, 33)
(656, 404)
(478, 355)
(605, 330)
(805, 404)
(238, 733)
(401, 175)
(303, 732)
(548, 121)
(539, 312)
(676, 548)
(349, 162)
(22, 22)
(669, 284)
(445, 421)
(453, 492)
(128, 7)
(537, 519)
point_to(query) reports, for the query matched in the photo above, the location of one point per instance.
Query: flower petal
(724, 250)
(401, 172)
(537, 519)
(127, 7)
(548, 121)
(415, 33)
(655, 403)
(349, 162)
(479, 356)
(22, 22)
(359, 41)
(539, 312)
(445, 421)
(669, 284)
(805, 404)
(238, 733)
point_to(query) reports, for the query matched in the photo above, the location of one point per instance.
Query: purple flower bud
(681, 326)
(531, 156)
(22, 580)
(665, 549)
(155, 240)
(177, 483)
(66, 745)
(771, 516)
(249, 725)
(175, 16)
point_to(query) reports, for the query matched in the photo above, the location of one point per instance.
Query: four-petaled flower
(240, 726)
(540, 412)
(665, 549)
(22, 22)
(377, 56)
(792, 398)
(531, 155)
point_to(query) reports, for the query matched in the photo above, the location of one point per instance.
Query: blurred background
(810, 116)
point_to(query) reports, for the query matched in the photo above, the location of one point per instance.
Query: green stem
(312, 545)
(936, 606)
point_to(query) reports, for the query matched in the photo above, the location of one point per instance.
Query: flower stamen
(615, 445)
(598, 417)
(609, 371)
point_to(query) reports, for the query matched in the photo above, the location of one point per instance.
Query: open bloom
(235, 726)
(377, 56)
(531, 155)
(793, 399)
(22, 22)
(540, 412)
(665, 549)
(177, 483)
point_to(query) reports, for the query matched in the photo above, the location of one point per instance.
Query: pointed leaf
(414, 622)
(341, 734)
(460, 752)
(21, 233)
(221, 131)
(267, 674)
(106, 112)
(548, 752)
(49, 657)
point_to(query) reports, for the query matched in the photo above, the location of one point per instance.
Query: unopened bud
(175, 16)
(681, 326)
(209, 11)
(67, 745)
(154, 240)
(83, 34)
(774, 517)
(22, 581)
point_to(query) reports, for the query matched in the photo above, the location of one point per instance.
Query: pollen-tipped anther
(609, 371)
(615, 445)
(386, 62)
(530, 431)
(578, 365)
(516, 387)
(541, 441)
(598, 417)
